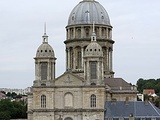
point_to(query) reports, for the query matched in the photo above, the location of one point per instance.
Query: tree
(8, 94)
(13, 110)
(4, 115)
(140, 84)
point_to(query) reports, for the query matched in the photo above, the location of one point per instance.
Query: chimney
(127, 100)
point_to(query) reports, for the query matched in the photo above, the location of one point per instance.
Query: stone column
(100, 32)
(74, 58)
(102, 68)
(111, 34)
(66, 33)
(82, 54)
(68, 58)
(82, 32)
(107, 52)
(74, 32)
(36, 70)
(98, 73)
(54, 70)
(88, 72)
(107, 36)
(49, 70)
(69, 34)
(110, 59)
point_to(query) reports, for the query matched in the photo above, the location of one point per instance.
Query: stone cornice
(88, 39)
(67, 110)
(82, 86)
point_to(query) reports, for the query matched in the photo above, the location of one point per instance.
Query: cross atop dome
(88, 0)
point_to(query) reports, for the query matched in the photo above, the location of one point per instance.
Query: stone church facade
(88, 82)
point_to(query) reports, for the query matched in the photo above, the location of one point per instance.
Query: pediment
(68, 79)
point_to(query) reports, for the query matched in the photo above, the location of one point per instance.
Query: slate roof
(117, 84)
(138, 109)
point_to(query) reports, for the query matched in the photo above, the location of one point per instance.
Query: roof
(94, 49)
(2, 95)
(87, 12)
(148, 91)
(117, 83)
(138, 109)
(45, 50)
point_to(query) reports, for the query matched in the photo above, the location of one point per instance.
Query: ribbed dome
(45, 50)
(87, 12)
(93, 49)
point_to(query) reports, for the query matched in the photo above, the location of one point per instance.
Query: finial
(45, 28)
(45, 37)
(93, 27)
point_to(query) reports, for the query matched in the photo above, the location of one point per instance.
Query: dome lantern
(45, 50)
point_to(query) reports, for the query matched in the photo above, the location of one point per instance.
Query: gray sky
(136, 32)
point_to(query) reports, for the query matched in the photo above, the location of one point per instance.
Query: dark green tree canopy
(148, 84)
(12, 110)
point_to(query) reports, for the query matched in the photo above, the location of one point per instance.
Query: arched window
(71, 33)
(78, 33)
(68, 100)
(87, 32)
(93, 100)
(68, 118)
(79, 58)
(43, 101)
(103, 32)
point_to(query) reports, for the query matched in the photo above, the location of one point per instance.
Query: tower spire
(45, 28)
(93, 27)
(93, 37)
(45, 37)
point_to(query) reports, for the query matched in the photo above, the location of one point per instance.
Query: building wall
(125, 96)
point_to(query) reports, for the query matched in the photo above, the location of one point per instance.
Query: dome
(45, 50)
(93, 49)
(87, 12)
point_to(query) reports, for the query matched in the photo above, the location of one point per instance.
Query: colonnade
(80, 32)
(75, 61)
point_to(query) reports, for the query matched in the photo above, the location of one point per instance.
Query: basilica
(87, 90)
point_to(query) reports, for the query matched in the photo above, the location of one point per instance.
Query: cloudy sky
(136, 32)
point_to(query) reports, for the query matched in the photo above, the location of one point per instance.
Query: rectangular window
(44, 71)
(43, 101)
(93, 70)
(93, 100)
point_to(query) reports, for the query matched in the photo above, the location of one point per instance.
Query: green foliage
(157, 102)
(13, 110)
(148, 84)
(5, 115)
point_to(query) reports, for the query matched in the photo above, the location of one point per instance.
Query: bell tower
(44, 63)
(93, 62)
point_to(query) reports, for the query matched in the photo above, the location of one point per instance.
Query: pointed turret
(44, 63)
(93, 62)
